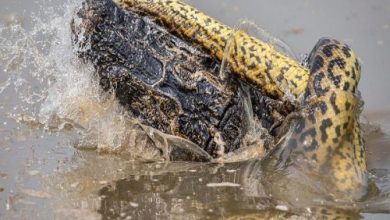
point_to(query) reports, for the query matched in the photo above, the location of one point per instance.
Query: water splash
(55, 91)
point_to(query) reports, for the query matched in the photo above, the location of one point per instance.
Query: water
(50, 104)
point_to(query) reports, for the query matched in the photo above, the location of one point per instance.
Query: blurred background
(365, 25)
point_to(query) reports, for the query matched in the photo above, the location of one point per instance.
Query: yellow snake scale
(327, 135)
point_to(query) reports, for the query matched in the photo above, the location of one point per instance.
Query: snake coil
(325, 138)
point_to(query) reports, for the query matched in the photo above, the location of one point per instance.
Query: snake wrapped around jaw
(328, 133)
(170, 85)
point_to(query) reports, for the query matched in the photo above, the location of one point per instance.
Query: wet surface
(43, 176)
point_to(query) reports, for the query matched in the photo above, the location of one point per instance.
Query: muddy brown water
(42, 175)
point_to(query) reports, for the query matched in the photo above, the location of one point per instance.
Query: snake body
(325, 139)
(257, 61)
(325, 135)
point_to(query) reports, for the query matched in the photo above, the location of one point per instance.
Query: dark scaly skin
(328, 134)
(165, 83)
(254, 60)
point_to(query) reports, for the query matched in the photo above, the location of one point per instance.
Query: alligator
(173, 86)
(180, 88)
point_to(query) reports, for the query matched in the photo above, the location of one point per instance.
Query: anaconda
(321, 135)
(327, 138)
